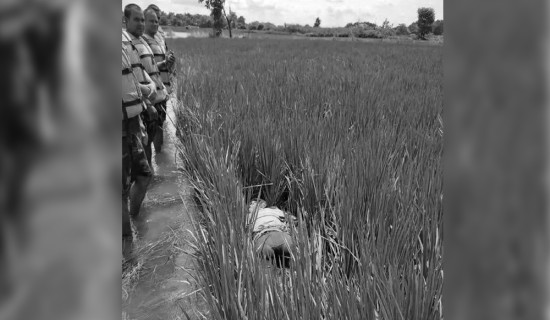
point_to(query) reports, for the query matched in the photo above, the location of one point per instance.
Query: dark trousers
(275, 246)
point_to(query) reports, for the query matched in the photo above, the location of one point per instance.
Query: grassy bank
(345, 135)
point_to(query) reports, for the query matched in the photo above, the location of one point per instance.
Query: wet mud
(159, 276)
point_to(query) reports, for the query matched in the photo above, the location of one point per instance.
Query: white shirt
(268, 218)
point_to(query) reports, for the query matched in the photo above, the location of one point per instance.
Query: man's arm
(161, 64)
(152, 89)
(149, 88)
(145, 89)
(167, 63)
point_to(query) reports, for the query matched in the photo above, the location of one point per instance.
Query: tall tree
(317, 23)
(232, 19)
(426, 17)
(241, 22)
(217, 11)
(217, 8)
(402, 29)
(163, 19)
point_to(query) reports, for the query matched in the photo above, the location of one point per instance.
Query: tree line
(220, 19)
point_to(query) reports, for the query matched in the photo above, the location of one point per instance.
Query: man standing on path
(135, 83)
(163, 62)
(135, 167)
(135, 27)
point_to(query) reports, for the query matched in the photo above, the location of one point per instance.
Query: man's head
(135, 21)
(154, 8)
(151, 22)
(255, 206)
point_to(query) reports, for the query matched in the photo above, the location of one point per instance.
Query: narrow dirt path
(160, 281)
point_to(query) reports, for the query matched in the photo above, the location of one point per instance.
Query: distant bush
(437, 27)
(260, 27)
(362, 30)
(373, 34)
(370, 25)
(206, 24)
(387, 32)
(364, 25)
(295, 28)
(269, 26)
(253, 25)
(402, 30)
(327, 32)
(413, 28)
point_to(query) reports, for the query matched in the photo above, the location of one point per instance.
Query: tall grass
(348, 137)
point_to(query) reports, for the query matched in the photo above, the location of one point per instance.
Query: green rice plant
(347, 137)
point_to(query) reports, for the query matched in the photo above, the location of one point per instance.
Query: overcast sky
(333, 13)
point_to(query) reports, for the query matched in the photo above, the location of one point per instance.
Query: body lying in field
(271, 237)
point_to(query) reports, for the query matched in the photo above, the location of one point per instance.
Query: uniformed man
(135, 167)
(137, 88)
(160, 33)
(160, 36)
(135, 27)
(164, 60)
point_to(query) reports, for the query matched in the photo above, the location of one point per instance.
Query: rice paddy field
(346, 136)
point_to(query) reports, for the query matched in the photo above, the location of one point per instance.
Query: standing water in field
(177, 35)
(196, 33)
(158, 280)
